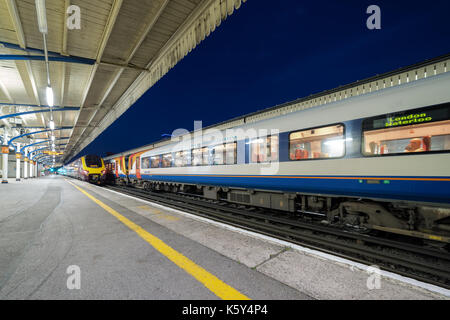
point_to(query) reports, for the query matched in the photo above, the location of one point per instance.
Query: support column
(5, 152)
(31, 168)
(36, 168)
(25, 167)
(18, 156)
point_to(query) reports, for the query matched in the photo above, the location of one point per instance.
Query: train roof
(386, 80)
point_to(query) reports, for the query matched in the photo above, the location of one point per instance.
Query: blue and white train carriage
(380, 160)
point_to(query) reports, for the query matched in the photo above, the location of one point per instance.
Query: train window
(125, 164)
(111, 166)
(182, 158)
(230, 153)
(318, 143)
(224, 154)
(264, 149)
(420, 130)
(217, 154)
(155, 161)
(200, 157)
(167, 160)
(145, 163)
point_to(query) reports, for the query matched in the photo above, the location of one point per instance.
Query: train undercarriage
(416, 220)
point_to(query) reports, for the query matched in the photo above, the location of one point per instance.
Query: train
(89, 168)
(379, 161)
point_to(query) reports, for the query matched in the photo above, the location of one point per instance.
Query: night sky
(270, 52)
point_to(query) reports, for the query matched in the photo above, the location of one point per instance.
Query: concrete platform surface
(48, 228)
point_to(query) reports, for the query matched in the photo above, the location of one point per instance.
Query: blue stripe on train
(427, 191)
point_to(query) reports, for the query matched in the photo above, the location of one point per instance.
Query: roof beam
(14, 14)
(5, 91)
(64, 35)
(38, 111)
(68, 59)
(64, 53)
(40, 142)
(26, 105)
(147, 29)
(63, 84)
(32, 133)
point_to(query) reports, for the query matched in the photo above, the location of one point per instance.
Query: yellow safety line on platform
(217, 286)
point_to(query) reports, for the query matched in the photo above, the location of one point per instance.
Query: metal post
(18, 155)
(5, 152)
(25, 167)
(31, 168)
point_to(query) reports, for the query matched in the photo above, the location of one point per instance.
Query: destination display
(411, 117)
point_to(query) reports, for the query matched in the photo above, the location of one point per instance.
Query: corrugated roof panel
(7, 32)
(100, 84)
(124, 82)
(76, 79)
(85, 42)
(130, 24)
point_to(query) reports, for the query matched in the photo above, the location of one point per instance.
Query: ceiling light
(49, 92)
(41, 16)
(52, 125)
(53, 138)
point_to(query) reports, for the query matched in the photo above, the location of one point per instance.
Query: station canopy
(96, 72)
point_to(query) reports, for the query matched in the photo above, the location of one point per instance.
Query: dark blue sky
(270, 52)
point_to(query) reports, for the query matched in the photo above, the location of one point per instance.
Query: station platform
(127, 248)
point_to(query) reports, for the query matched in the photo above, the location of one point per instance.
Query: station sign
(53, 153)
(411, 117)
(5, 149)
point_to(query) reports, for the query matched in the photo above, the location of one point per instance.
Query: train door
(125, 165)
(138, 167)
(116, 167)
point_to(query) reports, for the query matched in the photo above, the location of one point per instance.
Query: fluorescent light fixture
(49, 92)
(41, 16)
(52, 125)
(53, 138)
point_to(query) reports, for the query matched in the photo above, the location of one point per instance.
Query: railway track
(431, 265)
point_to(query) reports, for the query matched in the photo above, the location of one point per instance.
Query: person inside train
(301, 152)
(146, 163)
(426, 142)
(415, 145)
(373, 147)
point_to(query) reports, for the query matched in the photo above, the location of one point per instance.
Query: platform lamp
(43, 28)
